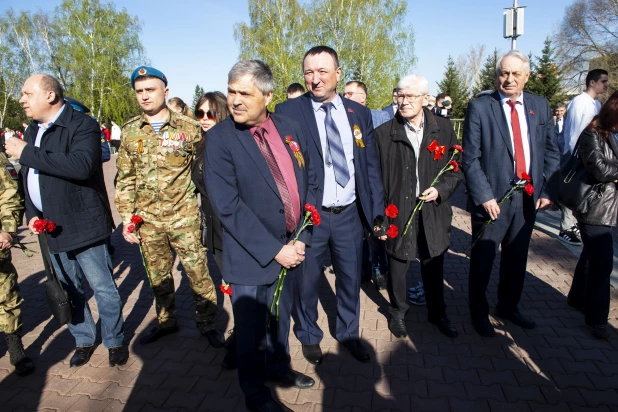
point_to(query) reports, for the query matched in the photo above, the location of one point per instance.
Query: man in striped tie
(350, 197)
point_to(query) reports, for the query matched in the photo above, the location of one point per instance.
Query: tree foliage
(587, 39)
(373, 45)
(545, 76)
(487, 77)
(453, 85)
(199, 92)
(89, 46)
(469, 66)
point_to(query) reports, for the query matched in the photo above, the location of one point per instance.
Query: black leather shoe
(483, 327)
(446, 327)
(24, 367)
(157, 333)
(293, 379)
(398, 328)
(81, 356)
(118, 356)
(599, 332)
(214, 338)
(517, 318)
(270, 406)
(357, 350)
(379, 280)
(313, 354)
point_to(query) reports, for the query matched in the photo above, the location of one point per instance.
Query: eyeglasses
(200, 114)
(411, 97)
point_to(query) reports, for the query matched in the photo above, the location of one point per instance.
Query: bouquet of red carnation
(311, 217)
(451, 166)
(136, 222)
(392, 212)
(42, 226)
(524, 183)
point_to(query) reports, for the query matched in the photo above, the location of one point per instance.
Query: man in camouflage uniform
(154, 182)
(11, 213)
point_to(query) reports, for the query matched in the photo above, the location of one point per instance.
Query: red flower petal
(457, 147)
(455, 165)
(51, 226)
(432, 146)
(526, 176)
(529, 189)
(392, 211)
(226, 289)
(136, 220)
(392, 232)
(315, 218)
(40, 225)
(131, 228)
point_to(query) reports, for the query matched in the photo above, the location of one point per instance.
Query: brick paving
(555, 367)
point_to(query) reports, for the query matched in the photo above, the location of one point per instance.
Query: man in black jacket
(61, 167)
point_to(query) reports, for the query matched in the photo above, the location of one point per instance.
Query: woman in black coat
(599, 153)
(403, 145)
(210, 109)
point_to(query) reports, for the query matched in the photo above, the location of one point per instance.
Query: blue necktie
(334, 148)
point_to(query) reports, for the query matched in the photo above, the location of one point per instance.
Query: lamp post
(513, 23)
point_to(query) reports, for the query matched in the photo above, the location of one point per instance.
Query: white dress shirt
(335, 195)
(34, 189)
(523, 125)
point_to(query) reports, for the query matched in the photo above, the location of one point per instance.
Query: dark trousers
(512, 230)
(590, 287)
(342, 235)
(262, 349)
(432, 272)
(374, 255)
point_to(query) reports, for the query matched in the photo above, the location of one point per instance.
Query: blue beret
(147, 71)
(79, 106)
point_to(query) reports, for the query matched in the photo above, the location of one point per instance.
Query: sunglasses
(200, 114)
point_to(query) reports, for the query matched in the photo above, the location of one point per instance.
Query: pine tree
(545, 76)
(199, 92)
(453, 85)
(487, 78)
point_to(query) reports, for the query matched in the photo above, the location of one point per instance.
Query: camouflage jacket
(154, 170)
(11, 201)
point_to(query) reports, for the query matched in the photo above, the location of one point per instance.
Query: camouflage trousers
(10, 300)
(182, 233)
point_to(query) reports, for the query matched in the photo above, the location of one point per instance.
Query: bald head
(42, 97)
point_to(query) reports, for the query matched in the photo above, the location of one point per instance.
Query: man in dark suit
(257, 174)
(391, 109)
(350, 196)
(506, 134)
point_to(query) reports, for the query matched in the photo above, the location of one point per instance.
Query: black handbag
(576, 191)
(57, 297)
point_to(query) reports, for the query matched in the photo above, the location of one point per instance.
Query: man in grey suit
(506, 134)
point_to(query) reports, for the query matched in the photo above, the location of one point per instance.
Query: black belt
(335, 209)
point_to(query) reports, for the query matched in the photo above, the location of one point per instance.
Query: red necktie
(520, 159)
(290, 220)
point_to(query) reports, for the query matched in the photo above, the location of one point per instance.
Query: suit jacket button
(283, 236)
(281, 211)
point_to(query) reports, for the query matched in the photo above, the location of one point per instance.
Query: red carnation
(226, 289)
(136, 220)
(392, 231)
(433, 146)
(526, 177)
(40, 225)
(51, 226)
(315, 217)
(310, 208)
(131, 228)
(392, 211)
(457, 148)
(455, 165)
(529, 189)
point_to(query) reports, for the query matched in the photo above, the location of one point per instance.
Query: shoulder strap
(49, 267)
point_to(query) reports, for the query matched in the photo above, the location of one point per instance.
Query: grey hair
(416, 81)
(261, 73)
(513, 53)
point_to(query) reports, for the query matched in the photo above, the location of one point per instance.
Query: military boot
(23, 364)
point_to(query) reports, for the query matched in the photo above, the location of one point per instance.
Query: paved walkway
(557, 366)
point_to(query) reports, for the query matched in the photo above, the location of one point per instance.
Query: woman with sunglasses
(211, 108)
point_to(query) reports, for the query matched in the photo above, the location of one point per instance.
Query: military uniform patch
(11, 171)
